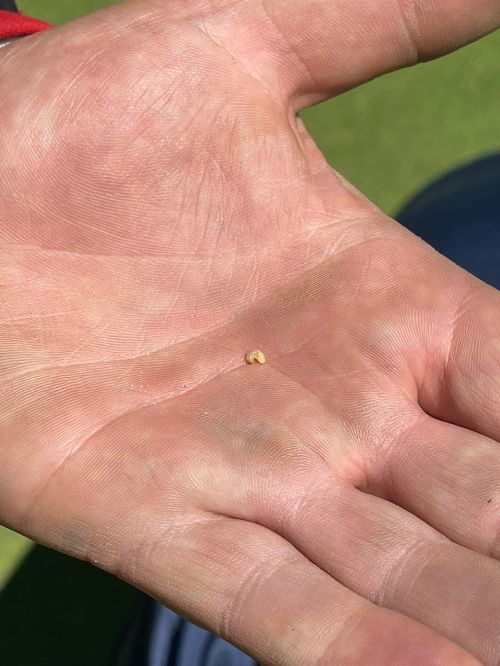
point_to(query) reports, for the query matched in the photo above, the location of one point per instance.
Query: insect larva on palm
(255, 356)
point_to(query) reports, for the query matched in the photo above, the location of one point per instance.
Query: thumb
(313, 49)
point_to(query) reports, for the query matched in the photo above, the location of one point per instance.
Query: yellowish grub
(255, 356)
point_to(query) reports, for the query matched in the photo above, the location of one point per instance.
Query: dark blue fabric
(459, 215)
(159, 637)
(175, 642)
(9, 5)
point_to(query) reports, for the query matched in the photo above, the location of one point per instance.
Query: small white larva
(255, 356)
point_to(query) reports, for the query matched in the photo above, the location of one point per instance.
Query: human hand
(163, 212)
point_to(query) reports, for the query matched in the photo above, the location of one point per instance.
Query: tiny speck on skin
(255, 356)
(489, 501)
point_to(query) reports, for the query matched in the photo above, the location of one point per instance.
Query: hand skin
(163, 212)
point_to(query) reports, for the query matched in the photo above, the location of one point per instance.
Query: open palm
(163, 212)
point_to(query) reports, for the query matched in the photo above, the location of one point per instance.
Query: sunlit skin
(162, 212)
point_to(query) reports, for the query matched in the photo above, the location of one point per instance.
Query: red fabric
(17, 25)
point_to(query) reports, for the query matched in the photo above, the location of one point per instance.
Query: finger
(295, 486)
(343, 44)
(450, 477)
(467, 392)
(383, 553)
(254, 589)
(247, 584)
(131, 513)
(322, 47)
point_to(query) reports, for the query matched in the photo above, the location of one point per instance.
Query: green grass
(13, 548)
(389, 137)
(60, 11)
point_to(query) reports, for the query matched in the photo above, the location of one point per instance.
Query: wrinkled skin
(163, 212)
